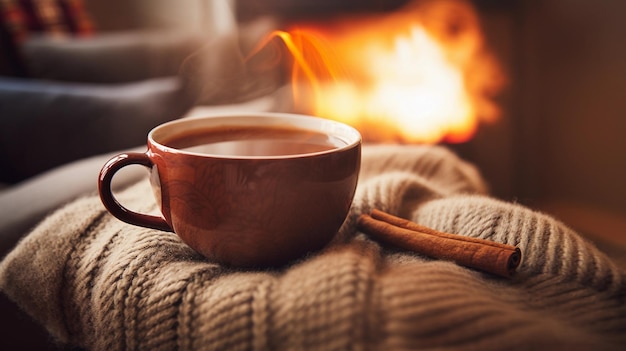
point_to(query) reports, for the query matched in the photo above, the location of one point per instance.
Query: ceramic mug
(246, 189)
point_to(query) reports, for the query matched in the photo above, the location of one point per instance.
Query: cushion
(20, 19)
(101, 284)
(52, 17)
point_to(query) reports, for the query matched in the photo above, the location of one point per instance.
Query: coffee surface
(253, 141)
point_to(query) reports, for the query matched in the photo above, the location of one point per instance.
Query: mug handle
(111, 203)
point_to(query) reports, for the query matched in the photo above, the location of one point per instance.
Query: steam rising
(223, 71)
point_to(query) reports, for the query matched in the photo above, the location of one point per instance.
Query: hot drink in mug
(246, 190)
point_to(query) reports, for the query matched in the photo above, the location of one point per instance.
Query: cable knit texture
(96, 282)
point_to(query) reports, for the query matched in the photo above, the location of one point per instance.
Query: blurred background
(536, 92)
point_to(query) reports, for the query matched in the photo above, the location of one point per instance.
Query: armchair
(81, 94)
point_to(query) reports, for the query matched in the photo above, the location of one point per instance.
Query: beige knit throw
(96, 282)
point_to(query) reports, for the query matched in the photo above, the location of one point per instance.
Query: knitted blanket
(98, 283)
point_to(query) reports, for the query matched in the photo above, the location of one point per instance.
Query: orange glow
(421, 74)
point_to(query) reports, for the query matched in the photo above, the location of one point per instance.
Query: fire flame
(422, 74)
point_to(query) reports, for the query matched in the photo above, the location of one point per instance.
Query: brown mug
(259, 189)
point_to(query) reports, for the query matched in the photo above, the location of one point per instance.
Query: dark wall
(572, 103)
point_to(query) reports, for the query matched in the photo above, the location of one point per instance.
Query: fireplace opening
(418, 71)
(419, 74)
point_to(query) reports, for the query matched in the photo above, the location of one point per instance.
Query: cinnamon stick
(485, 255)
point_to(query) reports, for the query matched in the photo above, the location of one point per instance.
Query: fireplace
(557, 144)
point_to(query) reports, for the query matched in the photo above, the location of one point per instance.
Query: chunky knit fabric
(96, 282)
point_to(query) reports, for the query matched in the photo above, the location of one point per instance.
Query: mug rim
(350, 135)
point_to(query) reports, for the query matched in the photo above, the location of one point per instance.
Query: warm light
(419, 75)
